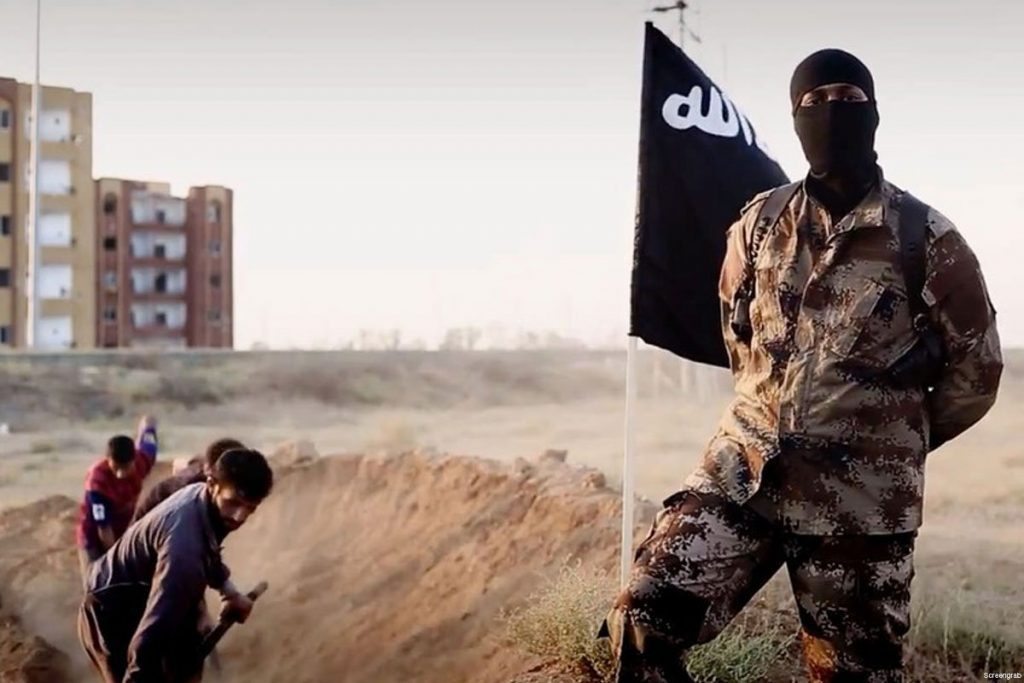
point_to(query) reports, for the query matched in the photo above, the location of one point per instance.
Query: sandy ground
(387, 569)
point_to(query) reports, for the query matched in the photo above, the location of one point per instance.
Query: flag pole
(629, 445)
(628, 475)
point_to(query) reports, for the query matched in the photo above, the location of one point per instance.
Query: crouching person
(139, 619)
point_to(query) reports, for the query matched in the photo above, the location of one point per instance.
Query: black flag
(700, 162)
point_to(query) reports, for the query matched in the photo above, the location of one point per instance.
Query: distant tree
(364, 340)
(471, 337)
(454, 340)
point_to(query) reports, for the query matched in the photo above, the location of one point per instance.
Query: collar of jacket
(870, 213)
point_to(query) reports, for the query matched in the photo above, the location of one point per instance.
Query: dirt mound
(396, 569)
(29, 659)
(549, 672)
(40, 586)
(381, 568)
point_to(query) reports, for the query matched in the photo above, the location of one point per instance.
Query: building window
(5, 225)
(160, 283)
(5, 118)
(215, 247)
(110, 313)
(161, 216)
(160, 251)
(109, 243)
(110, 204)
(161, 319)
(5, 277)
(213, 316)
(5, 173)
(213, 211)
(5, 334)
(110, 279)
(215, 280)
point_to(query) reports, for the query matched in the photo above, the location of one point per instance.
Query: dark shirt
(193, 474)
(155, 577)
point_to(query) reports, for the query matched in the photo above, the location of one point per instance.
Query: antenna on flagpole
(684, 30)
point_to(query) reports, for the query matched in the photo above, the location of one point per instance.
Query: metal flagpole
(32, 312)
(628, 484)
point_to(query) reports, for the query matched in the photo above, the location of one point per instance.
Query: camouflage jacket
(845, 453)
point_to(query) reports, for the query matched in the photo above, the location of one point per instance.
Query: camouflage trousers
(706, 557)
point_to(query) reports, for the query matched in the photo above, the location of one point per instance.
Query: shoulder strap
(913, 236)
(768, 216)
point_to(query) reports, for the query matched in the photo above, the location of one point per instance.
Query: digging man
(197, 471)
(138, 622)
(861, 337)
(112, 489)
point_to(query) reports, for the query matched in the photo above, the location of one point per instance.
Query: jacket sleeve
(961, 310)
(731, 277)
(220, 573)
(146, 447)
(179, 582)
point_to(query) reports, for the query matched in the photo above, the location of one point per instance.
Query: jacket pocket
(849, 324)
(874, 328)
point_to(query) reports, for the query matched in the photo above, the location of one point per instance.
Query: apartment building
(122, 262)
(66, 217)
(163, 276)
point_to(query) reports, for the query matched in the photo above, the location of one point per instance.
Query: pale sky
(422, 164)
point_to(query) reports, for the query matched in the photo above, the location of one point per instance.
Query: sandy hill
(381, 568)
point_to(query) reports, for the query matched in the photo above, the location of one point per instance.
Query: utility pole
(684, 30)
(32, 316)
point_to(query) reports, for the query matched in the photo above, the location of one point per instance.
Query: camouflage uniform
(817, 463)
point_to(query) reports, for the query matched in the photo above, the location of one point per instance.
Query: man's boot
(642, 657)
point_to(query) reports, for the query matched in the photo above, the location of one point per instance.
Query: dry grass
(757, 647)
(960, 635)
(956, 636)
(560, 622)
(97, 386)
(41, 447)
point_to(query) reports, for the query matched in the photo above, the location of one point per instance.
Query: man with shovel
(138, 621)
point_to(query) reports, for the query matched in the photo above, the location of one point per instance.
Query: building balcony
(61, 149)
(158, 261)
(159, 297)
(58, 255)
(157, 331)
(176, 228)
(56, 307)
(57, 203)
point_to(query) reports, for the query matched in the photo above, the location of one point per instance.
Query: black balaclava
(838, 138)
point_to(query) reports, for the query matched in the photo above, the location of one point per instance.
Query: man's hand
(205, 624)
(146, 422)
(235, 606)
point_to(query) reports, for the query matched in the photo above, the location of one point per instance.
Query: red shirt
(109, 501)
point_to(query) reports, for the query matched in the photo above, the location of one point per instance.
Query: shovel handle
(214, 636)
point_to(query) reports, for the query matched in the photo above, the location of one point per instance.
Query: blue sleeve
(146, 443)
(98, 507)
